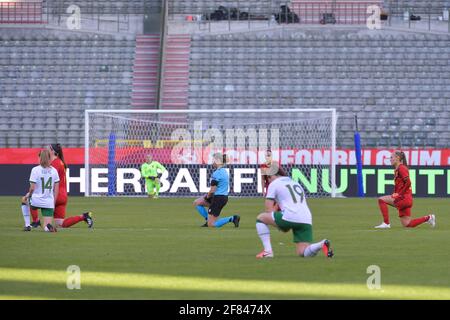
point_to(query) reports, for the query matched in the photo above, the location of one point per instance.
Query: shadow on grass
(28, 290)
(104, 285)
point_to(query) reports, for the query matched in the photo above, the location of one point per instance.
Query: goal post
(117, 143)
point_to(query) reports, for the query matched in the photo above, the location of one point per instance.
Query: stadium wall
(429, 170)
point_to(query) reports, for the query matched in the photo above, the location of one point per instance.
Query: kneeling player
(402, 198)
(217, 196)
(44, 187)
(294, 215)
(265, 166)
(58, 162)
(151, 171)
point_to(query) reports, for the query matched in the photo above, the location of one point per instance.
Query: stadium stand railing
(344, 12)
(262, 7)
(309, 11)
(105, 6)
(21, 12)
(417, 6)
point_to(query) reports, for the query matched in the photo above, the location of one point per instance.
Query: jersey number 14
(46, 185)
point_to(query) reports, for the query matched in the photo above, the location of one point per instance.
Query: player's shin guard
(384, 210)
(264, 234)
(414, 223)
(26, 214)
(68, 222)
(312, 249)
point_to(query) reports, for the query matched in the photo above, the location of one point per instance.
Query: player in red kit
(61, 202)
(402, 197)
(269, 164)
(265, 178)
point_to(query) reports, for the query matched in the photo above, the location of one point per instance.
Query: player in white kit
(25, 205)
(286, 209)
(44, 186)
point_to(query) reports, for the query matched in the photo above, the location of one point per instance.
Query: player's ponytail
(403, 158)
(59, 153)
(44, 158)
(401, 155)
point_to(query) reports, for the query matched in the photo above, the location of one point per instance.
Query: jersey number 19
(296, 190)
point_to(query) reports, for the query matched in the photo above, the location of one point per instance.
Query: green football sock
(157, 185)
(150, 187)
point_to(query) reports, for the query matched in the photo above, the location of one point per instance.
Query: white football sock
(264, 235)
(26, 214)
(312, 249)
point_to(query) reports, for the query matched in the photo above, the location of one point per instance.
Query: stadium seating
(417, 6)
(397, 82)
(176, 72)
(145, 72)
(381, 76)
(48, 79)
(105, 6)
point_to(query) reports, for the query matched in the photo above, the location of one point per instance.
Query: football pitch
(142, 248)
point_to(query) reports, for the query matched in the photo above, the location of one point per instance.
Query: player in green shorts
(151, 171)
(286, 209)
(44, 187)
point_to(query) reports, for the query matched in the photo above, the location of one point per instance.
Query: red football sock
(34, 214)
(68, 222)
(325, 250)
(384, 210)
(418, 221)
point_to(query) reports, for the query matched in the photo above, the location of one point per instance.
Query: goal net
(117, 143)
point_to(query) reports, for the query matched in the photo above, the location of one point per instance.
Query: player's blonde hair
(44, 158)
(220, 158)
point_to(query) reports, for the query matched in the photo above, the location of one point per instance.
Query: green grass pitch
(155, 249)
